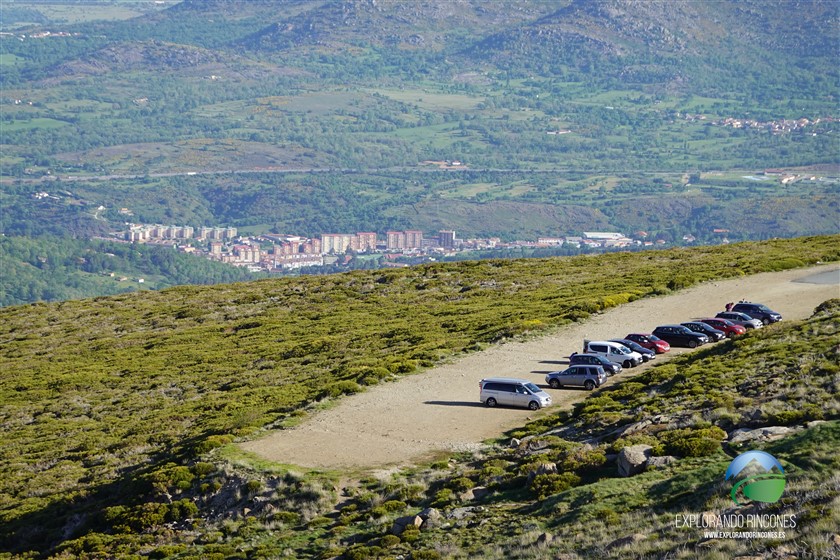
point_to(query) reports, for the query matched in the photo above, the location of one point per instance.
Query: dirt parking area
(414, 418)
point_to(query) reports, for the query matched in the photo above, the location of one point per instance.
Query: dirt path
(438, 410)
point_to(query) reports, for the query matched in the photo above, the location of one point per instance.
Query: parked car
(757, 311)
(740, 319)
(613, 351)
(611, 368)
(647, 355)
(728, 327)
(585, 376)
(678, 335)
(512, 392)
(702, 328)
(650, 342)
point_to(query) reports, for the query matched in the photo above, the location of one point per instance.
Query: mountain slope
(110, 404)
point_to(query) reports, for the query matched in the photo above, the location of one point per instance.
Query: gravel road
(435, 411)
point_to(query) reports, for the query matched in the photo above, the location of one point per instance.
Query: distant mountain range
(567, 116)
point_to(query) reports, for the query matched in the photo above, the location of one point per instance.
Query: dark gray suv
(611, 368)
(758, 311)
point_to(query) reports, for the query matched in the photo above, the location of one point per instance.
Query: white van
(614, 352)
(510, 391)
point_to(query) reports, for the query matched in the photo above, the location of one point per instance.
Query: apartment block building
(402, 240)
(152, 232)
(336, 243)
(413, 239)
(340, 243)
(364, 242)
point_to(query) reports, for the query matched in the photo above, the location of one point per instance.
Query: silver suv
(512, 392)
(585, 376)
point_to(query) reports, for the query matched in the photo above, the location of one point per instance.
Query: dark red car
(725, 325)
(649, 341)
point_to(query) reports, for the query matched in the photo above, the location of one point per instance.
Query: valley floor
(438, 410)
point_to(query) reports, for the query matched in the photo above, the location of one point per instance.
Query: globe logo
(758, 476)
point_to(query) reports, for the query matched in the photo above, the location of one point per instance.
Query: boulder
(632, 460)
(460, 513)
(481, 492)
(660, 462)
(431, 518)
(514, 442)
(625, 541)
(635, 428)
(402, 522)
(545, 468)
(769, 433)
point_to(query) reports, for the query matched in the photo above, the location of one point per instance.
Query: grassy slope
(100, 395)
(783, 375)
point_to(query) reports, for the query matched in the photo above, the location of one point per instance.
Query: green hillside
(649, 116)
(552, 488)
(112, 406)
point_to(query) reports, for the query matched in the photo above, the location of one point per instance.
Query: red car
(649, 341)
(725, 325)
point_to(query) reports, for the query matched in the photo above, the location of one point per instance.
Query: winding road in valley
(435, 411)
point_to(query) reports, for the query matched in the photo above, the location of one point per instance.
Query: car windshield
(764, 309)
(533, 388)
(654, 338)
(622, 350)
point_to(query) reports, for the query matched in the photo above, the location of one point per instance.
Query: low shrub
(443, 498)
(287, 517)
(253, 486)
(389, 541)
(411, 534)
(461, 484)
(689, 442)
(212, 442)
(339, 388)
(545, 485)
(583, 459)
(425, 555)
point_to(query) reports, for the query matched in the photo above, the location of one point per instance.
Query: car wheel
(730, 334)
(491, 402)
(589, 385)
(534, 405)
(766, 321)
(627, 364)
(554, 384)
(692, 344)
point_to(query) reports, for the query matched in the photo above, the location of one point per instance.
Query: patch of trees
(53, 269)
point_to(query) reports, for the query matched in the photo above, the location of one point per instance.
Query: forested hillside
(316, 116)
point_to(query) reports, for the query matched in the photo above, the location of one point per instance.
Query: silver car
(586, 376)
(510, 391)
(740, 319)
